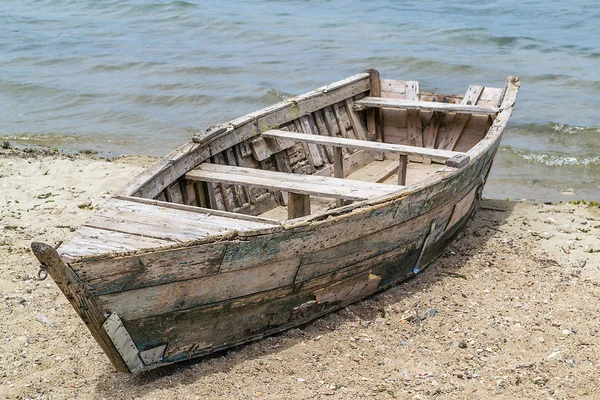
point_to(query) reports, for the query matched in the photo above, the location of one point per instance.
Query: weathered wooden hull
(159, 307)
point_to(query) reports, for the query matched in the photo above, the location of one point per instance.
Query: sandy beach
(509, 311)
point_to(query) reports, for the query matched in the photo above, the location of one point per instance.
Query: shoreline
(507, 312)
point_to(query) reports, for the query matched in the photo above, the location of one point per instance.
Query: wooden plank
(144, 302)
(461, 208)
(248, 162)
(355, 121)
(212, 198)
(306, 149)
(238, 191)
(393, 88)
(201, 210)
(340, 122)
(185, 194)
(374, 116)
(304, 184)
(111, 275)
(413, 118)
(323, 131)
(90, 241)
(165, 223)
(332, 125)
(435, 154)
(491, 97)
(262, 149)
(314, 152)
(298, 205)
(432, 129)
(451, 135)
(458, 161)
(185, 214)
(83, 303)
(147, 226)
(422, 106)
(201, 197)
(355, 288)
(227, 191)
(402, 167)
(325, 152)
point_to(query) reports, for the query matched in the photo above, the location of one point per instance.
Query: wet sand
(509, 311)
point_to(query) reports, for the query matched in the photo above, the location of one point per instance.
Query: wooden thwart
(435, 154)
(293, 183)
(369, 102)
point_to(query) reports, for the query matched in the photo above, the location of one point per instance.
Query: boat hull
(165, 304)
(333, 263)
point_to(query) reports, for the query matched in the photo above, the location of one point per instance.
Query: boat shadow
(483, 226)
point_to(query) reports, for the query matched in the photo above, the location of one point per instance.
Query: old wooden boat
(278, 217)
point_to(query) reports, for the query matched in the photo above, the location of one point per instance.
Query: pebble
(462, 344)
(553, 355)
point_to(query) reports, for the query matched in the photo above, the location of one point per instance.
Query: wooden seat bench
(450, 158)
(300, 187)
(384, 102)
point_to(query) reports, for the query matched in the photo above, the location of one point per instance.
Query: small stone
(566, 332)
(44, 320)
(462, 344)
(553, 355)
(432, 312)
(541, 339)
(300, 379)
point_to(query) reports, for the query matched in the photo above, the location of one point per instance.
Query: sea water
(140, 76)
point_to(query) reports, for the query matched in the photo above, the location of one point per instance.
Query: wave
(552, 160)
(57, 138)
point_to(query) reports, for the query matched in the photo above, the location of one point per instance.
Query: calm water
(140, 76)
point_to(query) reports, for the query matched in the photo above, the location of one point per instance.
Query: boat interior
(375, 141)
